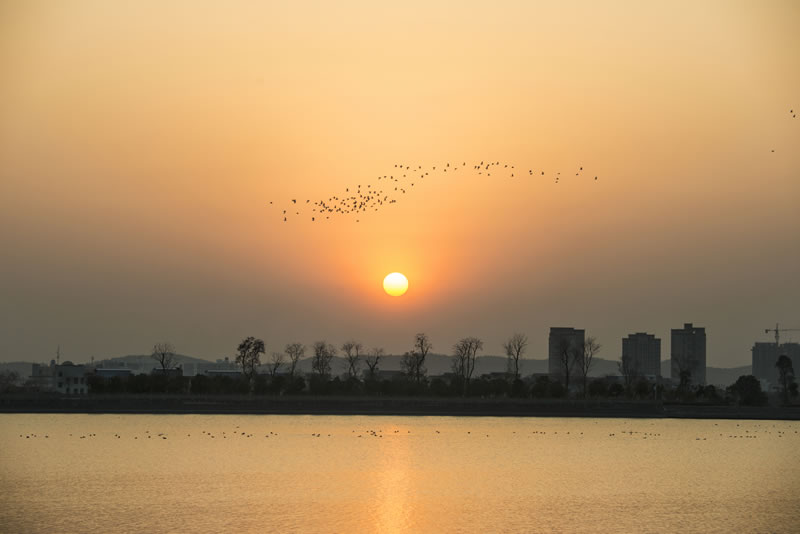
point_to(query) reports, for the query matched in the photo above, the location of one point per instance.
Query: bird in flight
(374, 198)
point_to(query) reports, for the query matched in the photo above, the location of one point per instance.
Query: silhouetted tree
(296, 385)
(629, 369)
(685, 377)
(710, 393)
(408, 364)
(556, 389)
(8, 380)
(262, 386)
(567, 355)
(248, 356)
(585, 358)
(440, 388)
(785, 375)
(295, 351)
(413, 362)
(274, 364)
(598, 388)
(164, 354)
(352, 354)
(541, 387)
(515, 347)
(643, 388)
(372, 360)
(518, 388)
(683, 362)
(615, 390)
(323, 356)
(465, 354)
(747, 391)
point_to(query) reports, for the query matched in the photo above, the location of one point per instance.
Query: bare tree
(785, 374)
(515, 347)
(585, 358)
(358, 356)
(352, 354)
(295, 351)
(567, 354)
(465, 354)
(372, 361)
(164, 354)
(249, 356)
(629, 369)
(275, 362)
(408, 365)
(413, 362)
(683, 362)
(323, 356)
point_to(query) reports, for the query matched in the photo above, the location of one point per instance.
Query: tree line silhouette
(363, 376)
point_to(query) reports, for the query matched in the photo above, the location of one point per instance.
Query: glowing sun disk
(395, 284)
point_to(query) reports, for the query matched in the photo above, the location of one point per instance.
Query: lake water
(353, 474)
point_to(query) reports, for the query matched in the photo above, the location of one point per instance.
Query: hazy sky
(141, 143)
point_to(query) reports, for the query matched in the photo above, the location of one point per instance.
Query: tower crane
(778, 331)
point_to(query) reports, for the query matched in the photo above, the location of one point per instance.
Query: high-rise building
(688, 353)
(765, 356)
(563, 339)
(643, 351)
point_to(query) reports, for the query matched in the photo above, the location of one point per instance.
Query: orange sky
(140, 144)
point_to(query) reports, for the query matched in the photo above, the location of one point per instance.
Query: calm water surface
(352, 474)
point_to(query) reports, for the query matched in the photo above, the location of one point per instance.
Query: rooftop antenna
(58, 355)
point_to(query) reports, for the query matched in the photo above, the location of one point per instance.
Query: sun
(395, 284)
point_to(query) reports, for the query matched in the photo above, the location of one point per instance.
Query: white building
(66, 378)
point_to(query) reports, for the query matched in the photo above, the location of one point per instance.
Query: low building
(66, 378)
(111, 373)
(497, 375)
(225, 372)
(175, 372)
(199, 368)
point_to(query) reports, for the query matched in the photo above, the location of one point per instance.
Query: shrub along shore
(345, 405)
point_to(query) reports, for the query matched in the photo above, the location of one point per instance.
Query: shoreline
(384, 406)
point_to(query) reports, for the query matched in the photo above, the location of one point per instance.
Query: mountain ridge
(436, 364)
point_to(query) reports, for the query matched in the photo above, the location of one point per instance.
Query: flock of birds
(400, 181)
(392, 186)
(754, 432)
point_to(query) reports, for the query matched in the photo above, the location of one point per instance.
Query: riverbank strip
(336, 405)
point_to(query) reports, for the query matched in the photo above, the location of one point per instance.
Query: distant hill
(718, 376)
(142, 362)
(725, 376)
(437, 364)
